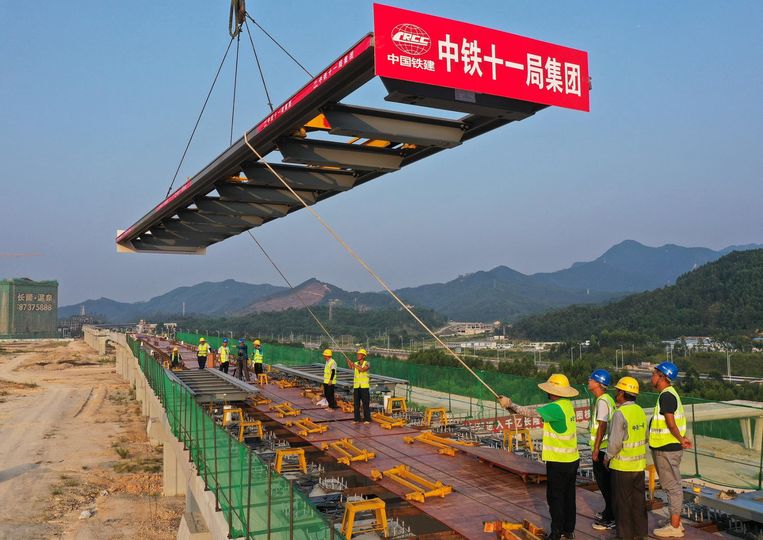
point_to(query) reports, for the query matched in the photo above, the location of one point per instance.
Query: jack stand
(352, 509)
(396, 404)
(506, 530)
(307, 426)
(349, 452)
(444, 445)
(247, 424)
(522, 436)
(228, 413)
(285, 409)
(431, 411)
(422, 487)
(282, 453)
(263, 379)
(387, 422)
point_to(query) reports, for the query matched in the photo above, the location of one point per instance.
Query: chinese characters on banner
(28, 301)
(426, 49)
(514, 422)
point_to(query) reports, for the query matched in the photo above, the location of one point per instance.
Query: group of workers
(619, 436)
(361, 384)
(361, 371)
(243, 360)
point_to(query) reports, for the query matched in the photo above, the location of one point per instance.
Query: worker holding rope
(560, 451)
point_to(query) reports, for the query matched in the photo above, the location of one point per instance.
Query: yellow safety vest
(258, 356)
(632, 456)
(595, 423)
(659, 434)
(327, 379)
(203, 349)
(362, 379)
(224, 352)
(561, 447)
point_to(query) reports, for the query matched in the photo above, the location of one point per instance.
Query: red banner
(513, 422)
(432, 50)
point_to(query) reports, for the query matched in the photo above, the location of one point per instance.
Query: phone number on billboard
(34, 307)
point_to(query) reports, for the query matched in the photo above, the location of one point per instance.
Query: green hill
(722, 297)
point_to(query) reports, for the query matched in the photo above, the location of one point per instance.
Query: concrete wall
(201, 520)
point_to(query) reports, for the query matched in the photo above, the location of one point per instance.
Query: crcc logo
(411, 39)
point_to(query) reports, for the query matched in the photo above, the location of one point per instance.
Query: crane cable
(313, 315)
(198, 119)
(363, 263)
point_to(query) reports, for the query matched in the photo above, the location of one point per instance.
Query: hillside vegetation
(721, 298)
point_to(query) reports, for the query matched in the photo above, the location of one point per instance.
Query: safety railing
(257, 503)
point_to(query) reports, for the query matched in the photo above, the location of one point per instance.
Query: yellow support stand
(346, 406)
(307, 427)
(258, 400)
(263, 379)
(228, 413)
(349, 452)
(507, 530)
(396, 404)
(248, 424)
(522, 435)
(431, 411)
(422, 487)
(285, 383)
(387, 422)
(444, 445)
(285, 409)
(352, 509)
(282, 453)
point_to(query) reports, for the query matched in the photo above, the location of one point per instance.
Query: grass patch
(121, 451)
(56, 491)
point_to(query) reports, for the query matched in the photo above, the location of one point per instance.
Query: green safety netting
(256, 502)
(727, 451)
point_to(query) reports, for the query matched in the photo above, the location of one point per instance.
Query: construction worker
(242, 356)
(361, 385)
(202, 352)
(601, 415)
(560, 451)
(224, 353)
(258, 357)
(626, 457)
(329, 378)
(175, 359)
(667, 439)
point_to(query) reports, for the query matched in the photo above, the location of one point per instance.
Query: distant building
(28, 309)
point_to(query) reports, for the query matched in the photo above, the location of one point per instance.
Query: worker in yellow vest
(601, 414)
(258, 358)
(175, 359)
(626, 457)
(224, 353)
(560, 451)
(361, 384)
(329, 378)
(202, 352)
(667, 439)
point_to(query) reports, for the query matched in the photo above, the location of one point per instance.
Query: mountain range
(498, 294)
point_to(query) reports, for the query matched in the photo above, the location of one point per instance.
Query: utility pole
(572, 357)
(728, 364)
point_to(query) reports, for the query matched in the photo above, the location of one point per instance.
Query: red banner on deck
(432, 50)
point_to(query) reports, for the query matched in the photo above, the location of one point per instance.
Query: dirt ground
(73, 443)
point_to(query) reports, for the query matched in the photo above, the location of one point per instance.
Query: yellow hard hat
(201, 339)
(174, 349)
(327, 352)
(363, 352)
(256, 341)
(628, 384)
(558, 385)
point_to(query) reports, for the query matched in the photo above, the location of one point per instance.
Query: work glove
(504, 401)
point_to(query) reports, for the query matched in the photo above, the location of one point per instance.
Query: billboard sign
(422, 48)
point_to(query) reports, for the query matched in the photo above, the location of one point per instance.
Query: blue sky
(97, 100)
